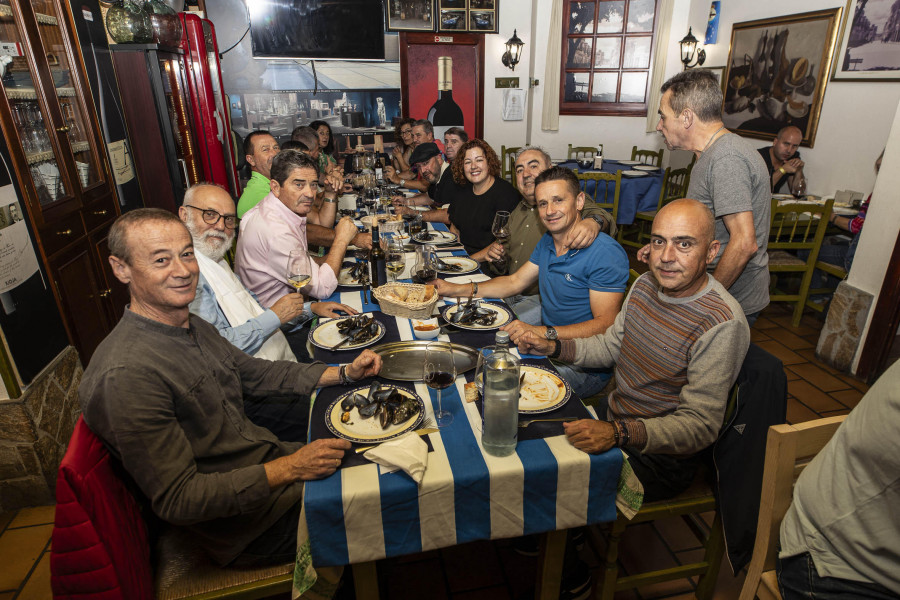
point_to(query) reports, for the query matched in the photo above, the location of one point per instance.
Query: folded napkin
(408, 452)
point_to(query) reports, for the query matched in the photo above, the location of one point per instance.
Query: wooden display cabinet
(50, 125)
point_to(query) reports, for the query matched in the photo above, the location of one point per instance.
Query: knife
(419, 432)
(341, 343)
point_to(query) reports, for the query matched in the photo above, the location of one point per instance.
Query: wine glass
(299, 271)
(500, 229)
(799, 187)
(395, 258)
(439, 372)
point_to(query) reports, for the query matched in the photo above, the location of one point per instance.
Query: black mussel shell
(359, 400)
(347, 404)
(370, 396)
(369, 410)
(387, 415)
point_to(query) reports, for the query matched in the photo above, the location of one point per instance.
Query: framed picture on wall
(719, 72)
(868, 47)
(482, 21)
(410, 15)
(421, 59)
(452, 20)
(776, 73)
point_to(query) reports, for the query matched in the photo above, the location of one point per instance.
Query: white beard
(209, 248)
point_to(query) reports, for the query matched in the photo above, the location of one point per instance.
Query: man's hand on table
(590, 436)
(582, 234)
(517, 330)
(329, 309)
(367, 364)
(318, 459)
(288, 307)
(530, 342)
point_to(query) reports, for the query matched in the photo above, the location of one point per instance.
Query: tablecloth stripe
(540, 486)
(362, 505)
(573, 489)
(328, 524)
(400, 514)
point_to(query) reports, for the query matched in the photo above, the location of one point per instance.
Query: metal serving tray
(402, 361)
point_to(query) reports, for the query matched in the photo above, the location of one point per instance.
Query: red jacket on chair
(100, 547)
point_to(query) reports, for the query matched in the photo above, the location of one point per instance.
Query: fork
(556, 420)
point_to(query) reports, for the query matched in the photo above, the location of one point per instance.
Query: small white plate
(438, 238)
(345, 279)
(468, 265)
(503, 316)
(628, 162)
(326, 336)
(634, 173)
(646, 168)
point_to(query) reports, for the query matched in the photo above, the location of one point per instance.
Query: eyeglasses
(212, 217)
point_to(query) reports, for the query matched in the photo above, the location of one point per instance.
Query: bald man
(677, 346)
(783, 161)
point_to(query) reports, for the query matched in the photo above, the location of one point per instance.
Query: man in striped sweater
(677, 345)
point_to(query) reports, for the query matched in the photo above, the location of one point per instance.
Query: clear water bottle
(501, 399)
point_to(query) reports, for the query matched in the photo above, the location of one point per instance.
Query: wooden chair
(789, 448)
(601, 192)
(101, 547)
(508, 162)
(675, 184)
(795, 228)
(831, 269)
(648, 157)
(581, 152)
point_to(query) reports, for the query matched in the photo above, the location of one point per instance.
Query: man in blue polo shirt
(581, 290)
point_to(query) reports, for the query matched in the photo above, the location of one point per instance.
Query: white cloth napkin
(408, 452)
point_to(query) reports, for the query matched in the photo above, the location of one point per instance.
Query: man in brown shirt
(165, 393)
(527, 229)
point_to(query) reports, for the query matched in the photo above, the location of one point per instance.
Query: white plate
(542, 390)
(327, 336)
(628, 162)
(369, 431)
(468, 265)
(503, 316)
(438, 238)
(345, 279)
(634, 173)
(646, 168)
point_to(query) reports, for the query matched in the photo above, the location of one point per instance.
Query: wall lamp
(688, 49)
(513, 51)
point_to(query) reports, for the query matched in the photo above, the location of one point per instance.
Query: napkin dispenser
(847, 198)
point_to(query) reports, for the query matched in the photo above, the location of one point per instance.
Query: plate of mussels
(375, 414)
(350, 333)
(354, 274)
(457, 265)
(438, 238)
(475, 314)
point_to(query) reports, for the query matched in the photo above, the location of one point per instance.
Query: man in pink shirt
(277, 225)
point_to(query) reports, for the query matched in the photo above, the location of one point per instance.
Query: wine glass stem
(440, 408)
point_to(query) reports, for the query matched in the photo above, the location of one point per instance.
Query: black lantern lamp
(688, 48)
(513, 51)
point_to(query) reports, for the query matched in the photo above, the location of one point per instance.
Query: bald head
(308, 137)
(785, 145)
(682, 245)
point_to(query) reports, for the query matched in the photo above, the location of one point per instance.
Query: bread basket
(406, 299)
(385, 223)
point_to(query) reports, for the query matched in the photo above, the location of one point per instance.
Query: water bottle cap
(502, 337)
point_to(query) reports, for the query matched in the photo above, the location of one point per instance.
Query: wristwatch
(402, 182)
(557, 348)
(550, 334)
(600, 221)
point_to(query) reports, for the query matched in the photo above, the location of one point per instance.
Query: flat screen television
(319, 29)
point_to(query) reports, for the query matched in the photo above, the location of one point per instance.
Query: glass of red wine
(439, 372)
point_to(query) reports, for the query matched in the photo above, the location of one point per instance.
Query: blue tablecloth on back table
(637, 194)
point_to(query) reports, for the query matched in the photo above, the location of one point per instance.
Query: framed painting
(410, 15)
(868, 48)
(776, 73)
(719, 73)
(420, 56)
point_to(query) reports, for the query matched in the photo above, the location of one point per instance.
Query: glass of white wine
(395, 258)
(299, 270)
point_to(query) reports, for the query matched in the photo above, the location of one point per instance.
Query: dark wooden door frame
(884, 323)
(465, 39)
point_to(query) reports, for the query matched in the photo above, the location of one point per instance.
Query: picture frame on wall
(868, 48)
(482, 21)
(777, 72)
(719, 72)
(452, 20)
(453, 4)
(410, 15)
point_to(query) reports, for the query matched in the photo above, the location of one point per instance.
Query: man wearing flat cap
(429, 162)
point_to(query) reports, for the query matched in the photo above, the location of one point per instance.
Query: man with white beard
(222, 300)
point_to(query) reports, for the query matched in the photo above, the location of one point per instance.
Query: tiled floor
(492, 570)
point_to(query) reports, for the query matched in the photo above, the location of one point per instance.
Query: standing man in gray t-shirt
(729, 177)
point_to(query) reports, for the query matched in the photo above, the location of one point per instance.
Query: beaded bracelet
(615, 434)
(345, 379)
(626, 434)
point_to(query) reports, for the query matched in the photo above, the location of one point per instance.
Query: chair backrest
(675, 183)
(632, 277)
(581, 152)
(508, 162)
(789, 448)
(799, 227)
(648, 157)
(100, 545)
(596, 186)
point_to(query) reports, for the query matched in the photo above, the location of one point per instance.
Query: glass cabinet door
(73, 129)
(33, 127)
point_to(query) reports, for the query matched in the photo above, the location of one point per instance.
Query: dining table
(362, 513)
(638, 193)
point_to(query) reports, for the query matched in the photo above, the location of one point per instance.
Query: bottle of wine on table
(377, 259)
(445, 112)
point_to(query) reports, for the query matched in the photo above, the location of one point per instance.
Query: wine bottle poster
(428, 91)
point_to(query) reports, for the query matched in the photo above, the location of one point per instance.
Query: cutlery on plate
(556, 420)
(419, 432)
